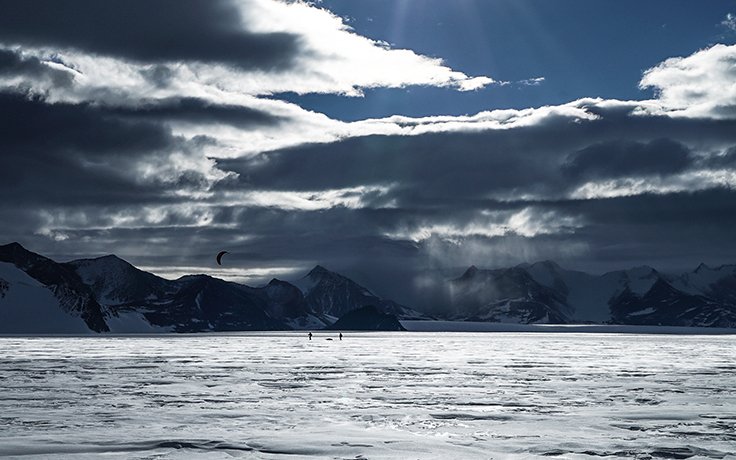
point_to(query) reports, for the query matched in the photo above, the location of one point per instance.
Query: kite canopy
(219, 257)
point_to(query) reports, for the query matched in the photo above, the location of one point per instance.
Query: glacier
(373, 395)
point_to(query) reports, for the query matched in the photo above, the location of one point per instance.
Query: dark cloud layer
(166, 30)
(72, 160)
(13, 64)
(67, 154)
(121, 173)
(464, 169)
(193, 110)
(618, 158)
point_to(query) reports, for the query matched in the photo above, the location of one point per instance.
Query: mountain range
(107, 294)
(544, 292)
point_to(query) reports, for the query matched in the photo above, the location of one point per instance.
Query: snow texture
(372, 395)
(28, 307)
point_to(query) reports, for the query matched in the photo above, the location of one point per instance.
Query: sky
(391, 140)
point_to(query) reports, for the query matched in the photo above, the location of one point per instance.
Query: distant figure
(341, 336)
(310, 336)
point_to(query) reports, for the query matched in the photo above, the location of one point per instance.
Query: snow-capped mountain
(589, 296)
(716, 283)
(544, 292)
(194, 303)
(664, 305)
(330, 295)
(40, 295)
(287, 301)
(509, 295)
(115, 282)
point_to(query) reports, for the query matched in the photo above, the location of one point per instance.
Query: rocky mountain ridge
(107, 293)
(111, 295)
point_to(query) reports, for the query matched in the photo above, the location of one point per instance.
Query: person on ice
(341, 336)
(310, 336)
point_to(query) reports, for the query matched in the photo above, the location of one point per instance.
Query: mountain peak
(643, 270)
(109, 259)
(318, 270)
(702, 266)
(278, 282)
(15, 253)
(470, 272)
(547, 264)
(104, 263)
(13, 247)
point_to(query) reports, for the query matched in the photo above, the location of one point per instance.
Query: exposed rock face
(546, 293)
(506, 295)
(109, 294)
(4, 286)
(367, 318)
(331, 295)
(75, 297)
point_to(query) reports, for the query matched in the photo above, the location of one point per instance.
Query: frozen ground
(473, 326)
(373, 395)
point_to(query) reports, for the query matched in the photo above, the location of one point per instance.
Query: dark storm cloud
(449, 178)
(61, 153)
(725, 160)
(193, 110)
(433, 165)
(464, 169)
(83, 153)
(30, 124)
(58, 157)
(13, 64)
(676, 230)
(160, 75)
(148, 31)
(623, 158)
(34, 126)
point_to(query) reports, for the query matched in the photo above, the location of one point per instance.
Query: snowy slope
(138, 301)
(508, 295)
(375, 395)
(329, 295)
(73, 296)
(589, 296)
(544, 292)
(718, 283)
(115, 281)
(107, 293)
(28, 307)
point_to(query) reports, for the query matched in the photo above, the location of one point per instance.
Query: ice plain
(373, 395)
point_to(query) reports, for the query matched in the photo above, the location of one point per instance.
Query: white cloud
(340, 61)
(246, 275)
(305, 127)
(689, 181)
(528, 222)
(333, 59)
(700, 85)
(352, 197)
(532, 81)
(730, 22)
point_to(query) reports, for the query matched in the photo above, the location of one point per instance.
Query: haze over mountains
(107, 294)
